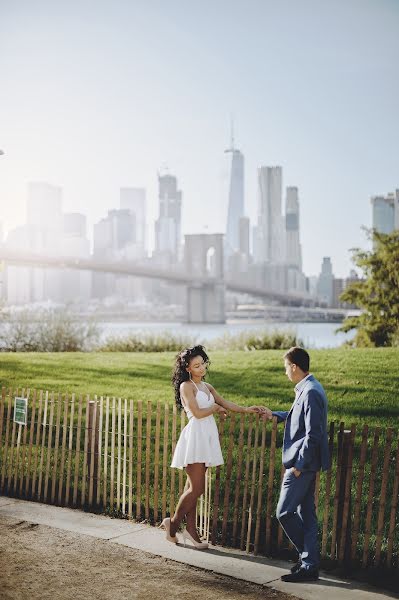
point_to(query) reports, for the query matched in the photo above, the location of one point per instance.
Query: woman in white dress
(198, 446)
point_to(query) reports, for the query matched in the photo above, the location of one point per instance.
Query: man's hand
(266, 414)
(296, 472)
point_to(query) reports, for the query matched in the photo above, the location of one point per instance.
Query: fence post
(91, 470)
(344, 540)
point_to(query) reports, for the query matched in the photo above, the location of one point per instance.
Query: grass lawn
(362, 385)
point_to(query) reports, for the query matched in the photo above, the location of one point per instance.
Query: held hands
(264, 412)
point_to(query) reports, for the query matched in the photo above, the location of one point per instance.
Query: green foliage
(144, 342)
(377, 294)
(168, 342)
(256, 340)
(45, 331)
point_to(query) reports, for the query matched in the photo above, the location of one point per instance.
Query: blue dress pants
(296, 512)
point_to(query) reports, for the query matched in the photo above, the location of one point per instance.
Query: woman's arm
(231, 405)
(189, 400)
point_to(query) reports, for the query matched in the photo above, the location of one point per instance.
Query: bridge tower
(203, 257)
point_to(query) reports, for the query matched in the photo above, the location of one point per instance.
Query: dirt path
(39, 563)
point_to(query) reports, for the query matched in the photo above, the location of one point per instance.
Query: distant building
(112, 236)
(113, 233)
(338, 288)
(293, 253)
(339, 285)
(325, 284)
(386, 212)
(134, 200)
(168, 224)
(236, 200)
(311, 285)
(43, 234)
(296, 280)
(269, 276)
(269, 245)
(238, 262)
(276, 238)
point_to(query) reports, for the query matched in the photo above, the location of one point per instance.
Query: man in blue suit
(305, 451)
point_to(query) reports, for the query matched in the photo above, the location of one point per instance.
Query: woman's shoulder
(186, 385)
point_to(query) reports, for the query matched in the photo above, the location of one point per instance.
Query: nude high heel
(198, 545)
(166, 525)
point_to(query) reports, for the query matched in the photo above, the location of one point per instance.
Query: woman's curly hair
(180, 372)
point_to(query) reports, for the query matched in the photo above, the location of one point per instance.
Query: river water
(312, 335)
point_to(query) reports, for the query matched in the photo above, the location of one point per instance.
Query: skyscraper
(168, 224)
(134, 200)
(386, 212)
(51, 233)
(296, 281)
(293, 247)
(269, 244)
(325, 282)
(114, 233)
(236, 199)
(45, 235)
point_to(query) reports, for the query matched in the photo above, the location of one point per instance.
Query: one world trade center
(236, 199)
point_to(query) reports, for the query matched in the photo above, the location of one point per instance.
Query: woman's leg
(191, 517)
(188, 500)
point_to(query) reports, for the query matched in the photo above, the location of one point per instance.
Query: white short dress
(199, 440)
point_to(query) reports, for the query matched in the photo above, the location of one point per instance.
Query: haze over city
(98, 96)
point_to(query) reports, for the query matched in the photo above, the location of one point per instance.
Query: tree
(377, 293)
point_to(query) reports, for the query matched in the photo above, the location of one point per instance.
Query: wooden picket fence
(112, 455)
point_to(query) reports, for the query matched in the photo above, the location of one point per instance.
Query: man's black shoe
(302, 575)
(297, 566)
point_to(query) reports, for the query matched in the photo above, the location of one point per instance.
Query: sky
(97, 95)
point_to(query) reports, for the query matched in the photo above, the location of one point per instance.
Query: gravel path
(40, 563)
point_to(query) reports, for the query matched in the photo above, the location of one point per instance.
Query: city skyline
(286, 196)
(96, 98)
(53, 233)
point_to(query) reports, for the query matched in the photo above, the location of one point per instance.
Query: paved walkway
(225, 561)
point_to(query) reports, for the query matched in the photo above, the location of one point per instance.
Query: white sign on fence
(20, 410)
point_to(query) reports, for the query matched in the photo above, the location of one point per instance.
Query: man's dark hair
(298, 356)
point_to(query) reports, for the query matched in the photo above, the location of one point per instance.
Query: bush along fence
(112, 455)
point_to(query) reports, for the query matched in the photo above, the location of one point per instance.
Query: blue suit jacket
(305, 445)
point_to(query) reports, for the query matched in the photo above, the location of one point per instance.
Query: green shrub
(145, 342)
(46, 330)
(168, 342)
(256, 340)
